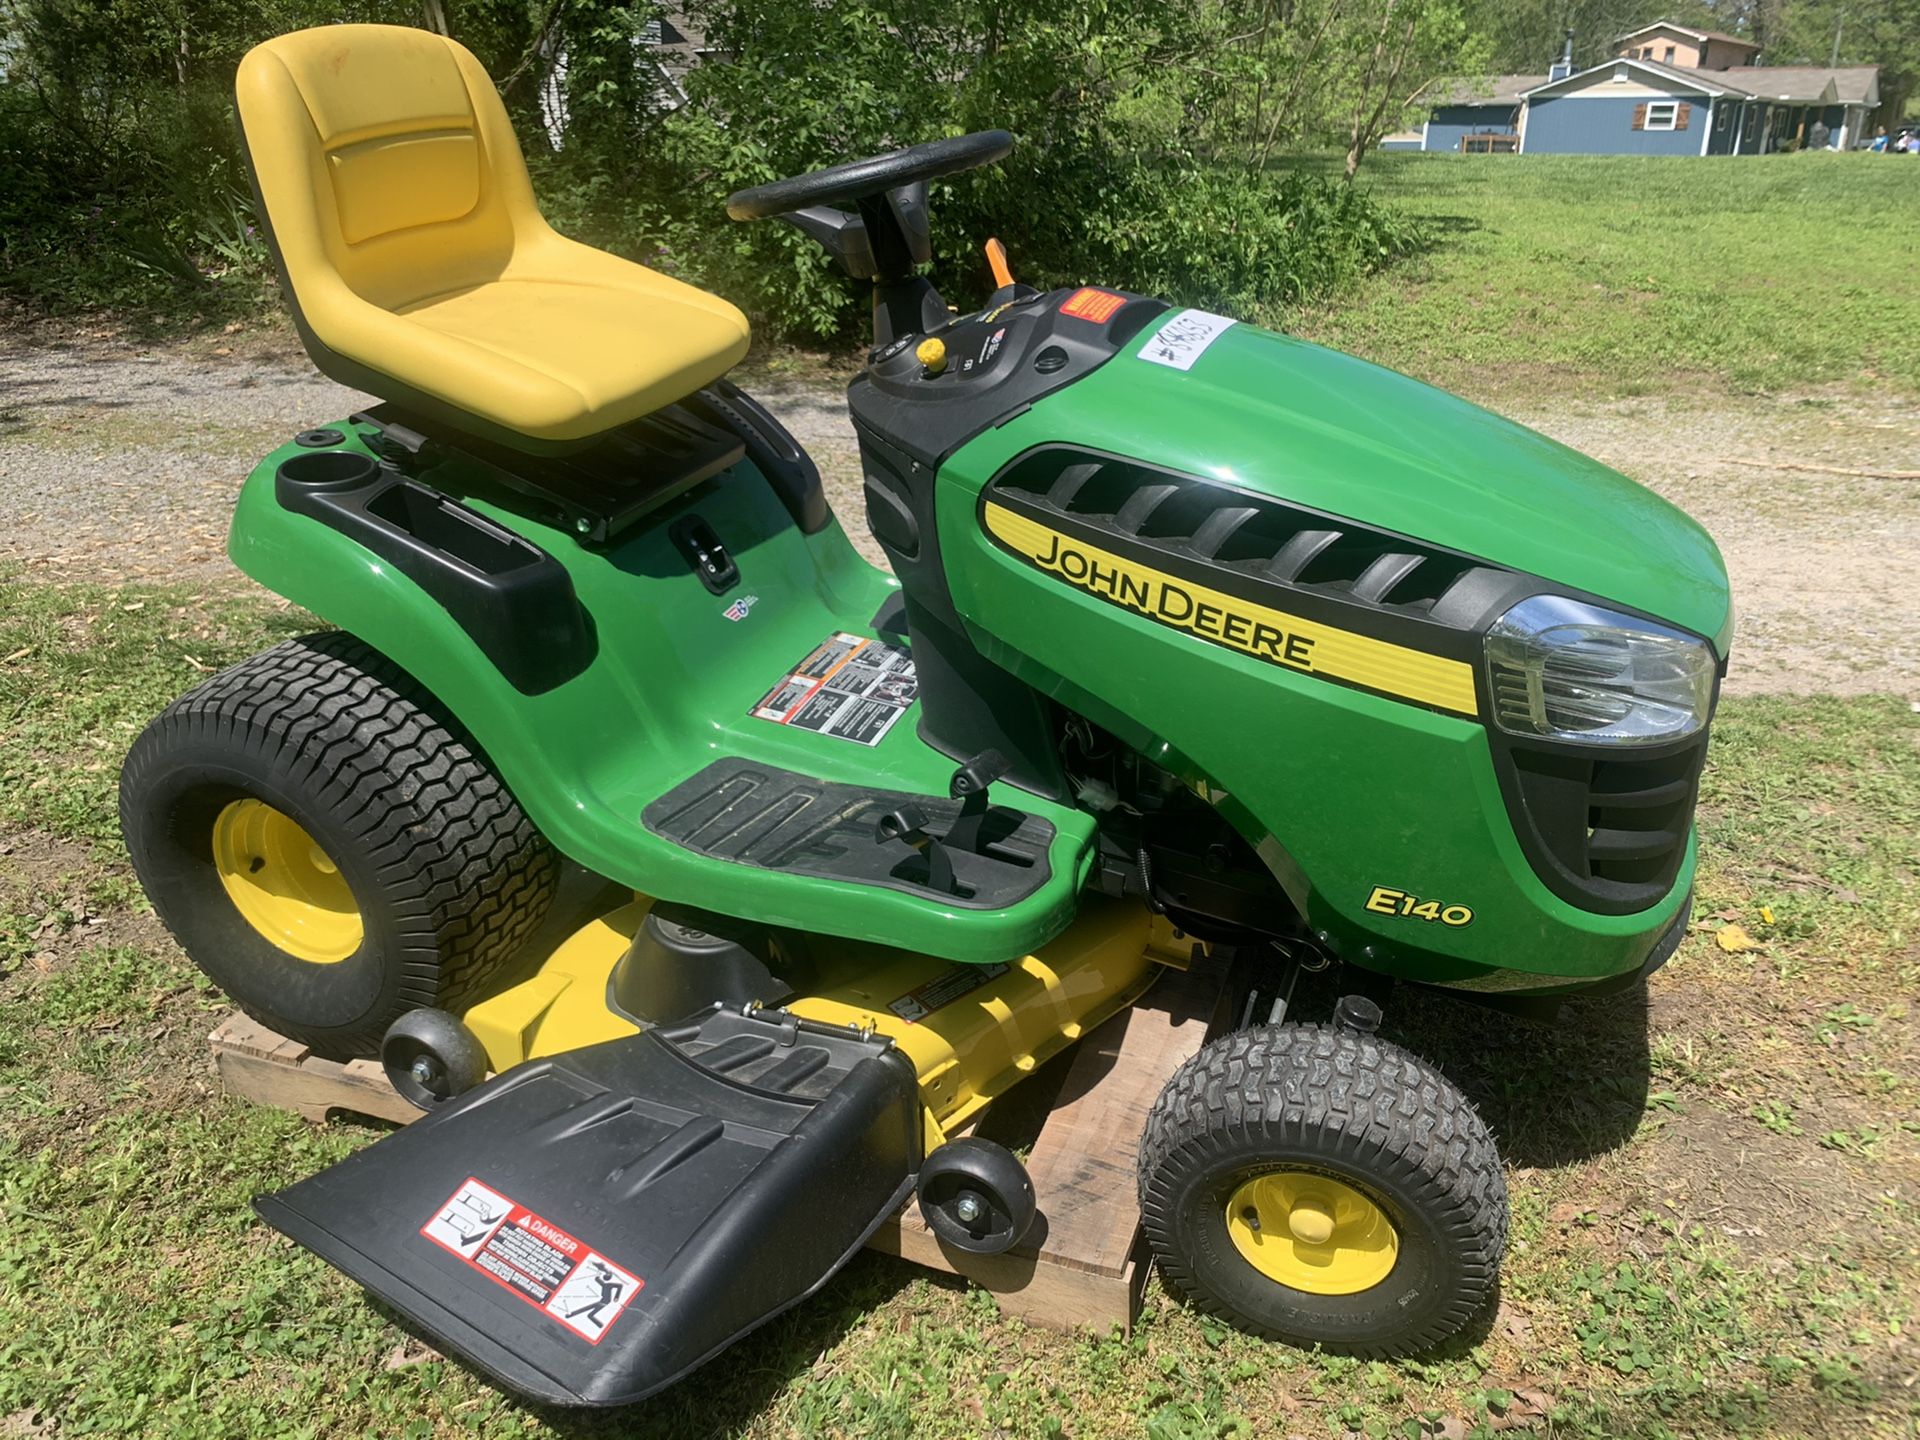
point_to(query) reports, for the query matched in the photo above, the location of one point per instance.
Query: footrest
(760, 815)
(588, 1228)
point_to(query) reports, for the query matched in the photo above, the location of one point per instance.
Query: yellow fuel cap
(932, 355)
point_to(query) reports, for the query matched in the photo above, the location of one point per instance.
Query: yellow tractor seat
(419, 266)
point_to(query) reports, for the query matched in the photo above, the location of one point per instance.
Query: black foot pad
(778, 820)
(589, 1228)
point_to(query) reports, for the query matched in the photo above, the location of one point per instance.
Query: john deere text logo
(1293, 642)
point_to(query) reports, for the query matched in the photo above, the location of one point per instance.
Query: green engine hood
(1321, 429)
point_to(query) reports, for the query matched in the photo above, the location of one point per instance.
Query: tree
(1390, 53)
(1259, 76)
(1852, 32)
(121, 181)
(1524, 37)
(1275, 75)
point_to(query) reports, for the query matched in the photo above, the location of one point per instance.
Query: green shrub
(120, 175)
(1100, 185)
(121, 184)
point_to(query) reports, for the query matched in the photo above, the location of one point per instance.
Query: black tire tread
(1391, 1112)
(472, 876)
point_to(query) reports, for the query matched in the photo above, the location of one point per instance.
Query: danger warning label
(848, 686)
(538, 1261)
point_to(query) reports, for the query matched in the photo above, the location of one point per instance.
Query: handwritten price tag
(1184, 339)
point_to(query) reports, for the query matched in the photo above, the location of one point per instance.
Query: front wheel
(1324, 1188)
(328, 847)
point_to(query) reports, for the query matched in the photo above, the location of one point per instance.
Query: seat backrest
(384, 161)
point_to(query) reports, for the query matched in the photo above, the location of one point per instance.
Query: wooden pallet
(1084, 1264)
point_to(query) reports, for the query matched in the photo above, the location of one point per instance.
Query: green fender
(668, 690)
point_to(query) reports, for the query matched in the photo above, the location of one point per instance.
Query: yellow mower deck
(709, 1171)
(971, 1031)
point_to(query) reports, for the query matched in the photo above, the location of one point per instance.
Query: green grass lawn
(1628, 275)
(1715, 1225)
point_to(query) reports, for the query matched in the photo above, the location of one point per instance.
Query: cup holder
(325, 470)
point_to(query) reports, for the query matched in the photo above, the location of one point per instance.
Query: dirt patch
(34, 860)
(1774, 1196)
(80, 930)
(66, 900)
(1825, 564)
(118, 463)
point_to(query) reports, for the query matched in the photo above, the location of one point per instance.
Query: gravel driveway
(121, 464)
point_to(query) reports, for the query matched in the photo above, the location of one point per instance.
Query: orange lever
(997, 262)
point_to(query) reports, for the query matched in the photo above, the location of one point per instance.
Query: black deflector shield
(588, 1228)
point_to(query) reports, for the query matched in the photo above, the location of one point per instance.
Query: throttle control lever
(909, 826)
(969, 787)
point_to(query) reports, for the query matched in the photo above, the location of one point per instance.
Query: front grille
(1255, 537)
(1606, 833)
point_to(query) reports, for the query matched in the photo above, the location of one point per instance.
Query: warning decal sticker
(539, 1262)
(1090, 304)
(945, 988)
(849, 686)
(1184, 339)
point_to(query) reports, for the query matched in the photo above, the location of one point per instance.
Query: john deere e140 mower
(1196, 635)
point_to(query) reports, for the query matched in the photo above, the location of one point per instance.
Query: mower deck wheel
(431, 1057)
(1322, 1187)
(324, 841)
(976, 1196)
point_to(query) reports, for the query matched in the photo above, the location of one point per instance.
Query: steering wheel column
(888, 235)
(885, 241)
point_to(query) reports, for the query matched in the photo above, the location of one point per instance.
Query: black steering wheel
(865, 179)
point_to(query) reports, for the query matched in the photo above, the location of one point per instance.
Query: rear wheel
(328, 847)
(1323, 1188)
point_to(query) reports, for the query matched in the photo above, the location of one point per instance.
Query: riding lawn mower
(1200, 645)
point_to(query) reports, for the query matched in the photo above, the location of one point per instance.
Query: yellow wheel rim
(1312, 1233)
(284, 885)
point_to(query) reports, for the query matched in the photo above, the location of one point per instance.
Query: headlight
(1565, 670)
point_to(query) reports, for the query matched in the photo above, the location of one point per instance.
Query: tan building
(1684, 47)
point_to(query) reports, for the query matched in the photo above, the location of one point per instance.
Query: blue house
(1645, 107)
(1472, 115)
(1626, 107)
(1694, 100)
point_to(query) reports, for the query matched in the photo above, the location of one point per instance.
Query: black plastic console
(513, 599)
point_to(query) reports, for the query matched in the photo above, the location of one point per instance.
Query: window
(1720, 117)
(1660, 114)
(1668, 57)
(1619, 74)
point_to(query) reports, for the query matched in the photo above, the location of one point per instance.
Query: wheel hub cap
(1311, 1232)
(284, 885)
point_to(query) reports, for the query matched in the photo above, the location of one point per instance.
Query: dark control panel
(921, 398)
(928, 399)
